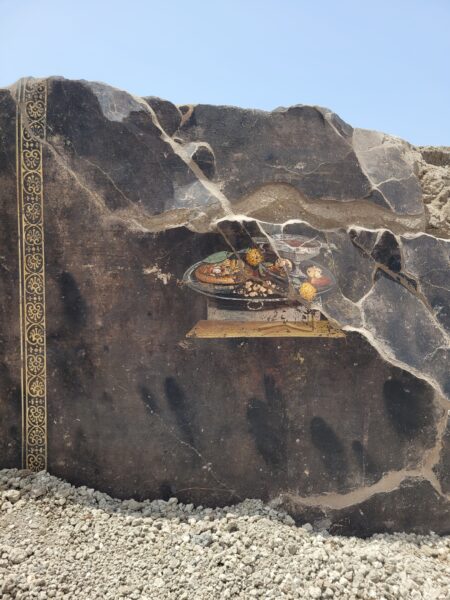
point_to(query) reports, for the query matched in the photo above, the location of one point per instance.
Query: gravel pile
(58, 541)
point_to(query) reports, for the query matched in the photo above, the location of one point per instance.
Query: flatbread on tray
(227, 272)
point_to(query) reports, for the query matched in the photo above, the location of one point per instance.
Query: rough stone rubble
(434, 176)
(58, 541)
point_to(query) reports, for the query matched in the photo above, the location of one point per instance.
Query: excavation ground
(59, 541)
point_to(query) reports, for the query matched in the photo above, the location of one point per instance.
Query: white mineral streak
(58, 541)
(389, 350)
(117, 105)
(209, 188)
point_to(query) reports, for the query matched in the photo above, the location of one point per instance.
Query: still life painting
(265, 286)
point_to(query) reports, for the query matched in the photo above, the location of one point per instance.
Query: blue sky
(379, 64)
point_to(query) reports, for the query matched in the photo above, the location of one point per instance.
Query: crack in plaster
(207, 465)
(230, 215)
(385, 351)
(180, 151)
(388, 483)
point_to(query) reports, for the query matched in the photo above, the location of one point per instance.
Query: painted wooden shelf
(247, 329)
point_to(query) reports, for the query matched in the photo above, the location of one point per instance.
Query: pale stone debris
(59, 541)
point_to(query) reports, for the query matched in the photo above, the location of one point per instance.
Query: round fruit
(254, 257)
(307, 292)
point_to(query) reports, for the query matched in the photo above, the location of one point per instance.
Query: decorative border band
(31, 130)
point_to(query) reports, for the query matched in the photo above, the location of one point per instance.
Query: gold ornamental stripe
(31, 130)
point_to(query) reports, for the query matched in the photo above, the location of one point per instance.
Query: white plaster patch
(159, 274)
(116, 104)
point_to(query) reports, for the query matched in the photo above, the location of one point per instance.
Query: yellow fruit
(307, 292)
(254, 257)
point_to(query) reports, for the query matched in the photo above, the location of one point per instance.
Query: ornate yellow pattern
(31, 128)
